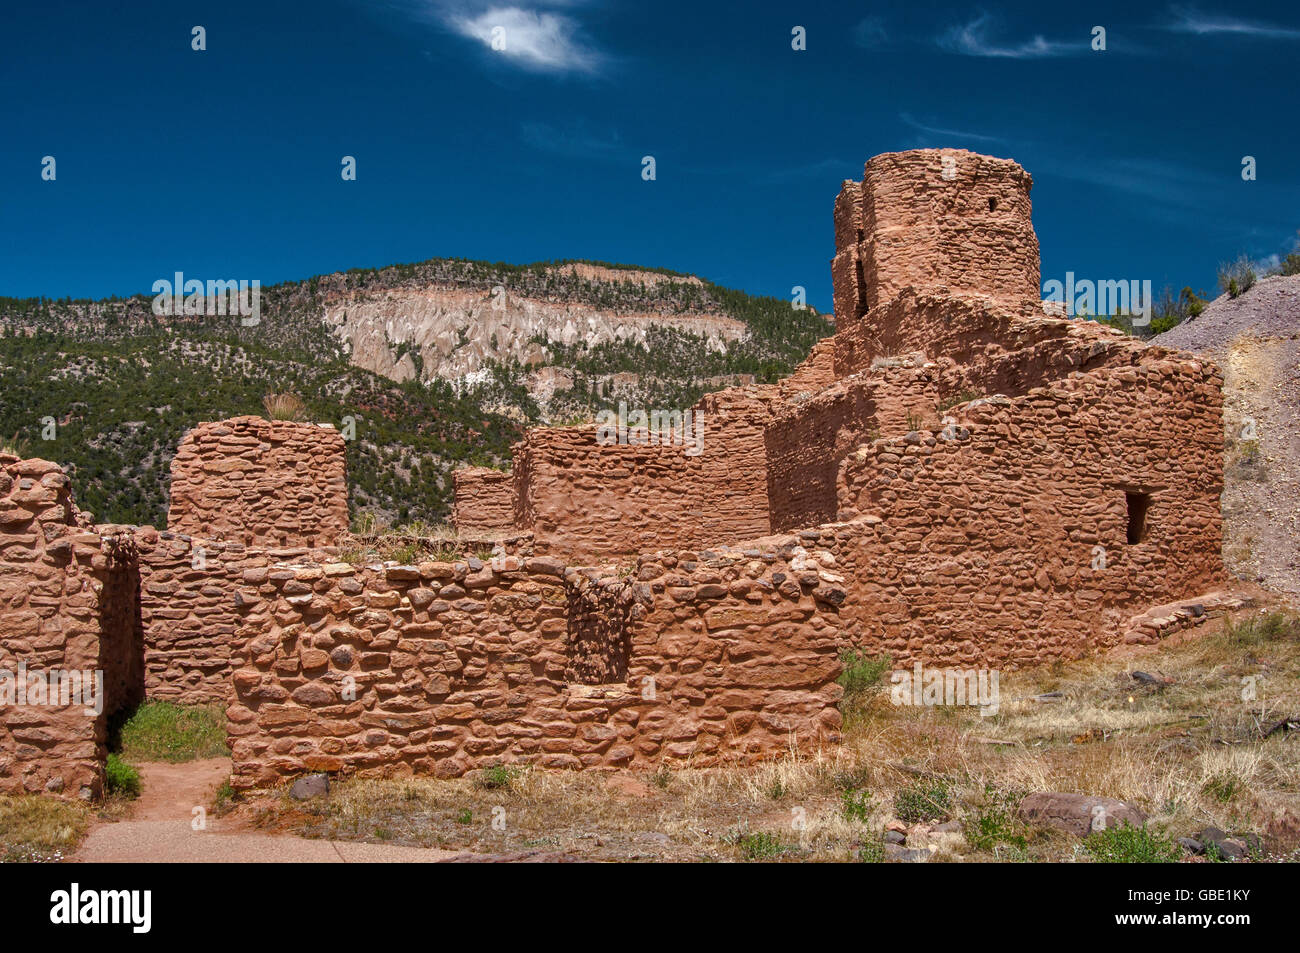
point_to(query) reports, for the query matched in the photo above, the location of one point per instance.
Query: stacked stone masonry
(69, 616)
(274, 483)
(954, 477)
(440, 668)
(484, 499)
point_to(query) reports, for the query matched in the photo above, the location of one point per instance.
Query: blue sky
(226, 163)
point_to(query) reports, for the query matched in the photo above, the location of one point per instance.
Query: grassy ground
(41, 828)
(162, 731)
(1190, 753)
(34, 828)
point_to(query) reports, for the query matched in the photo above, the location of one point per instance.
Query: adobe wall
(981, 548)
(934, 219)
(67, 603)
(272, 483)
(442, 668)
(484, 499)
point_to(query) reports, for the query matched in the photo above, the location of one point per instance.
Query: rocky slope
(438, 363)
(1255, 339)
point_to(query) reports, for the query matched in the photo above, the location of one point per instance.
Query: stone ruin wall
(582, 500)
(192, 609)
(273, 483)
(441, 668)
(934, 219)
(67, 602)
(981, 548)
(911, 520)
(484, 499)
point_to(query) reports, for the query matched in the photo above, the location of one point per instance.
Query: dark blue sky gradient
(225, 163)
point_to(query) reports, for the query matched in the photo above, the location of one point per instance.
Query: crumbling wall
(442, 668)
(585, 500)
(807, 439)
(934, 219)
(192, 606)
(1004, 540)
(484, 499)
(272, 483)
(68, 615)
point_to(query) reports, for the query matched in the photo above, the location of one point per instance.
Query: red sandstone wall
(67, 602)
(981, 550)
(443, 668)
(484, 499)
(931, 219)
(274, 483)
(806, 440)
(587, 501)
(192, 609)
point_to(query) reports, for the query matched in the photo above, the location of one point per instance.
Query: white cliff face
(456, 331)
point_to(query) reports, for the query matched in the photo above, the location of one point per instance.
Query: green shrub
(1131, 845)
(497, 777)
(857, 805)
(466, 816)
(872, 851)
(1237, 277)
(997, 821)
(923, 801)
(951, 402)
(1274, 626)
(861, 673)
(120, 778)
(760, 845)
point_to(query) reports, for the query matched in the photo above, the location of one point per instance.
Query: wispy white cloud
(1191, 20)
(974, 39)
(946, 133)
(1157, 180)
(532, 37)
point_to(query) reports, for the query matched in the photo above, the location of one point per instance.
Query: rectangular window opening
(1138, 503)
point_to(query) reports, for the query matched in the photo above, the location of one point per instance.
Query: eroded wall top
(260, 482)
(931, 219)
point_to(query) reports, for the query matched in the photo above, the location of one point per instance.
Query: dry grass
(372, 541)
(34, 828)
(284, 407)
(1189, 753)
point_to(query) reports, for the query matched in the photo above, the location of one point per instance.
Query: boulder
(1079, 814)
(309, 786)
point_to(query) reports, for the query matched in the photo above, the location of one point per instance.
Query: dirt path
(161, 829)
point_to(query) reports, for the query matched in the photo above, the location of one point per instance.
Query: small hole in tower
(993, 205)
(1138, 503)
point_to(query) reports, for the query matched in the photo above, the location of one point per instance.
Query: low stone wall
(68, 610)
(271, 483)
(442, 668)
(484, 499)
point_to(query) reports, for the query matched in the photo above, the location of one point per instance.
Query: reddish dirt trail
(161, 829)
